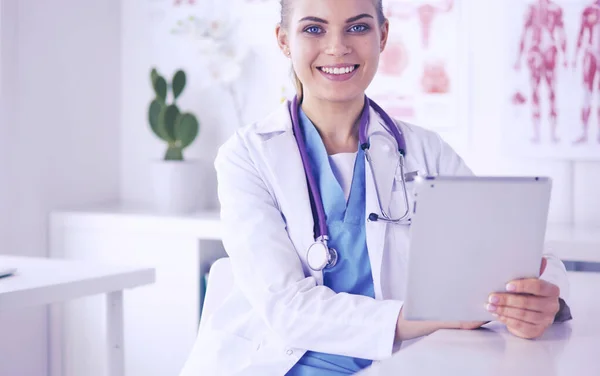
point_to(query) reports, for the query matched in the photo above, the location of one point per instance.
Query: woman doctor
(301, 176)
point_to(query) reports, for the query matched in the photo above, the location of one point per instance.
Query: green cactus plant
(169, 124)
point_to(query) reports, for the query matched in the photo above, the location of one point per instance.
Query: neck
(336, 122)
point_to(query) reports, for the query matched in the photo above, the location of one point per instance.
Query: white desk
(40, 281)
(181, 248)
(579, 243)
(571, 348)
(575, 243)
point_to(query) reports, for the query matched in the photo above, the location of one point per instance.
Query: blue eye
(312, 30)
(359, 28)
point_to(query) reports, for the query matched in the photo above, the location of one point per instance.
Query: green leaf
(162, 129)
(186, 129)
(154, 112)
(169, 118)
(153, 76)
(160, 87)
(179, 81)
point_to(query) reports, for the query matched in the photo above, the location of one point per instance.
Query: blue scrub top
(346, 226)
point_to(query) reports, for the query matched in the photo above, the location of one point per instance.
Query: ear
(282, 40)
(385, 31)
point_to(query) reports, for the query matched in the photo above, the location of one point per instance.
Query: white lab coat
(279, 307)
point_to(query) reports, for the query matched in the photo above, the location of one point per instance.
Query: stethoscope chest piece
(319, 256)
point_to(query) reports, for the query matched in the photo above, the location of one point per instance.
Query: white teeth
(345, 70)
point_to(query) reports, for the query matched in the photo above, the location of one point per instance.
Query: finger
(533, 286)
(530, 302)
(521, 328)
(526, 315)
(543, 266)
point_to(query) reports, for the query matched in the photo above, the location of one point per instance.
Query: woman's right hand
(406, 329)
(467, 325)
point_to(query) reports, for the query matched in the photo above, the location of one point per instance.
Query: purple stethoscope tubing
(312, 184)
(322, 235)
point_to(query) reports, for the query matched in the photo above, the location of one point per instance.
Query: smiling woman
(308, 197)
(287, 7)
(334, 47)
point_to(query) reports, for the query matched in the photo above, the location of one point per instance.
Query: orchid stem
(236, 104)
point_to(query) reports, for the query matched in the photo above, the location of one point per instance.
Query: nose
(336, 45)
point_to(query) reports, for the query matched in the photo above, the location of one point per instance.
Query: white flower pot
(178, 186)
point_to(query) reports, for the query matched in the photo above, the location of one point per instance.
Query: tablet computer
(469, 237)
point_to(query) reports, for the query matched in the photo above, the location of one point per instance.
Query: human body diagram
(544, 48)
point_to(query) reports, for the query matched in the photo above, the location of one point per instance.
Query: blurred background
(83, 173)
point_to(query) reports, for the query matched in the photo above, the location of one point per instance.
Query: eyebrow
(349, 20)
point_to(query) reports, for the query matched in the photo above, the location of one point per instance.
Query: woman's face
(334, 46)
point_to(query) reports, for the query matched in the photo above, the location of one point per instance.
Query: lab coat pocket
(226, 353)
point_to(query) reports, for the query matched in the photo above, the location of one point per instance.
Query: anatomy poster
(554, 64)
(422, 76)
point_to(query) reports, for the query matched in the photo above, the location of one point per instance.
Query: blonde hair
(286, 10)
(297, 84)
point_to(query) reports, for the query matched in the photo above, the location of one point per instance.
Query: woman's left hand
(529, 306)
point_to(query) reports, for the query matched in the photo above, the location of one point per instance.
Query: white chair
(219, 285)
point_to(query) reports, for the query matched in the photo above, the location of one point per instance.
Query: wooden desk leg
(114, 335)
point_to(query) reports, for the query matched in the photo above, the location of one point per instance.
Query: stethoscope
(319, 255)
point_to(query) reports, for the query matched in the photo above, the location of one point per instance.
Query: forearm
(406, 330)
(556, 274)
(563, 43)
(578, 45)
(521, 48)
(341, 324)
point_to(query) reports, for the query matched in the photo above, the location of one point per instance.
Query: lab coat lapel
(289, 181)
(384, 163)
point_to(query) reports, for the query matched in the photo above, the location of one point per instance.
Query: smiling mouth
(339, 70)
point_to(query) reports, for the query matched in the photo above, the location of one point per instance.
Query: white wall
(7, 64)
(60, 137)
(573, 197)
(487, 154)
(144, 44)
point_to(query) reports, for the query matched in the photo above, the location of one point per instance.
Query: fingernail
(494, 299)
(491, 307)
(511, 287)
